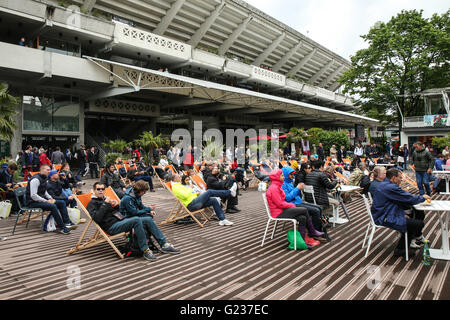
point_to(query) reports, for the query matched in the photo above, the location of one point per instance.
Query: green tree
(117, 145)
(405, 56)
(148, 141)
(8, 105)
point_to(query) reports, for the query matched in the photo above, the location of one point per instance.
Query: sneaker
(63, 230)
(235, 208)
(3, 238)
(231, 210)
(420, 240)
(225, 222)
(169, 248)
(71, 226)
(233, 190)
(148, 255)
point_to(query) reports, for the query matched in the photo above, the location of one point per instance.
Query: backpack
(131, 248)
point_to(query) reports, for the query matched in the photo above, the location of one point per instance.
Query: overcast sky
(338, 24)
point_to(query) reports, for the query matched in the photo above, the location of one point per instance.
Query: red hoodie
(275, 195)
(44, 159)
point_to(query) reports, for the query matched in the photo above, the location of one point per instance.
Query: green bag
(301, 245)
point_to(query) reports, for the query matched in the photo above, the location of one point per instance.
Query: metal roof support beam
(218, 107)
(200, 33)
(234, 35)
(321, 71)
(167, 19)
(324, 83)
(112, 92)
(302, 63)
(334, 86)
(263, 56)
(286, 57)
(186, 102)
(88, 5)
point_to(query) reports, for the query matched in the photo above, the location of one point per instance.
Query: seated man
(55, 189)
(142, 173)
(163, 161)
(111, 179)
(387, 210)
(261, 174)
(105, 212)
(321, 183)
(38, 197)
(7, 185)
(357, 175)
(217, 182)
(292, 195)
(195, 201)
(131, 206)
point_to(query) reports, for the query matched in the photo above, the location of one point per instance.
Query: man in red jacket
(279, 208)
(44, 159)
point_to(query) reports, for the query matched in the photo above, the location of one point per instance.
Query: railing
(90, 141)
(434, 120)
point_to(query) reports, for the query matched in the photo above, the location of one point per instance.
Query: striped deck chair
(180, 211)
(99, 236)
(125, 180)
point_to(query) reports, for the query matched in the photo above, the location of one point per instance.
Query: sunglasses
(100, 189)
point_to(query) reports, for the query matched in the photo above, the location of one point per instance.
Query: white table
(335, 219)
(384, 165)
(446, 175)
(439, 206)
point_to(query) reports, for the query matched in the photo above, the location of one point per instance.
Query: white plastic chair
(310, 189)
(373, 226)
(276, 220)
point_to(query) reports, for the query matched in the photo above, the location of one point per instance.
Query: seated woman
(163, 161)
(300, 175)
(75, 182)
(195, 201)
(279, 208)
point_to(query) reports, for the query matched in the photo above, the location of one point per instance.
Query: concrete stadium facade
(88, 70)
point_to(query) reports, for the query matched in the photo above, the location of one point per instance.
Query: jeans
(145, 178)
(151, 227)
(55, 210)
(315, 212)
(127, 225)
(206, 199)
(422, 179)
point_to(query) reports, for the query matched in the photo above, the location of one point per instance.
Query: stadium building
(92, 70)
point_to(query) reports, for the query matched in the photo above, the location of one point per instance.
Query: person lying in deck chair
(112, 179)
(195, 201)
(131, 206)
(105, 213)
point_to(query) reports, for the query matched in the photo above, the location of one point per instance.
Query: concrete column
(16, 141)
(88, 5)
(81, 139)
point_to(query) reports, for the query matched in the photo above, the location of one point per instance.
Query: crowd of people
(52, 190)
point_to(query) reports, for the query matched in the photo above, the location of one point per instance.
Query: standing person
(82, 157)
(57, 156)
(320, 152)
(189, 159)
(28, 161)
(68, 155)
(93, 158)
(405, 156)
(423, 163)
(36, 162)
(341, 154)
(359, 151)
(43, 159)
(333, 152)
(445, 151)
(170, 154)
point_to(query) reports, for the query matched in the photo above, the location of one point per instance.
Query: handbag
(5, 209)
(301, 244)
(400, 159)
(262, 186)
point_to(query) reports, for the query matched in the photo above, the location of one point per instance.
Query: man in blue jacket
(131, 206)
(387, 210)
(292, 195)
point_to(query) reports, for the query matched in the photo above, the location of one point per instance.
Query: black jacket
(320, 182)
(5, 178)
(54, 188)
(320, 153)
(341, 154)
(214, 183)
(112, 179)
(92, 156)
(300, 177)
(102, 213)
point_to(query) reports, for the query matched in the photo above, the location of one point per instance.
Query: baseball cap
(52, 173)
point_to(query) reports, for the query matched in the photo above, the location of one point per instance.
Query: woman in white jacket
(358, 150)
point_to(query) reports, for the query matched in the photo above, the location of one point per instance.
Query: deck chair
(254, 181)
(284, 163)
(99, 236)
(125, 180)
(199, 182)
(180, 211)
(57, 167)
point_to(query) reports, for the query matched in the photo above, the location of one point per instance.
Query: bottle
(426, 255)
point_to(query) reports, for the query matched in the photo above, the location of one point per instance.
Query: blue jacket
(131, 205)
(387, 205)
(438, 164)
(374, 184)
(292, 193)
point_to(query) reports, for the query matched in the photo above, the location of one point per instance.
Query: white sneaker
(420, 240)
(225, 222)
(233, 190)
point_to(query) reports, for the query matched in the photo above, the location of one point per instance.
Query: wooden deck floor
(225, 263)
